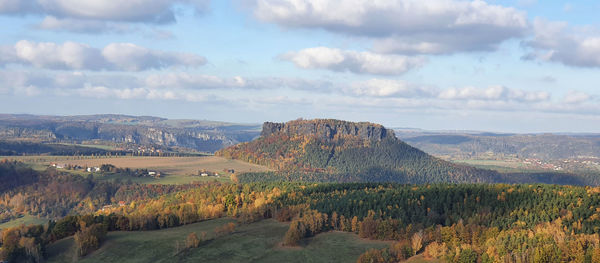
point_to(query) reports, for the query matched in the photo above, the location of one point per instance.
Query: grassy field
(256, 242)
(25, 220)
(177, 169)
(97, 146)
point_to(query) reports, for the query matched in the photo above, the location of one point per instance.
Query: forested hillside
(333, 150)
(14, 174)
(482, 223)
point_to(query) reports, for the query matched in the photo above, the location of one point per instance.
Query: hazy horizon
(400, 128)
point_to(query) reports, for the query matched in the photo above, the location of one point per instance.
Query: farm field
(256, 242)
(178, 170)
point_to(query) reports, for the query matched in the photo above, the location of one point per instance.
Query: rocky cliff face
(132, 130)
(328, 129)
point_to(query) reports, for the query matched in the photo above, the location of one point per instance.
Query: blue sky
(515, 66)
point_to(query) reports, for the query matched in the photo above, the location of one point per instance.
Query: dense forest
(454, 222)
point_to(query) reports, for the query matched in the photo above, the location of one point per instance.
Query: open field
(25, 220)
(256, 242)
(97, 146)
(177, 169)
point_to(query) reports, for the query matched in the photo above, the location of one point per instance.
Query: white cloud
(148, 11)
(135, 58)
(69, 55)
(498, 93)
(403, 26)
(199, 81)
(385, 94)
(96, 16)
(558, 42)
(103, 92)
(84, 25)
(388, 88)
(574, 97)
(161, 81)
(77, 56)
(192, 81)
(353, 61)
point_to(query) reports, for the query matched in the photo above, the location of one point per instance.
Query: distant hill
(334, 150)
(207, 136)
(465, 145)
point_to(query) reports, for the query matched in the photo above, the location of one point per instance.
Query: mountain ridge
(206, 136)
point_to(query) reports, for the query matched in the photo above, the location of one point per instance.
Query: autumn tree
(295, 233)
(417, 241)
(89, 238)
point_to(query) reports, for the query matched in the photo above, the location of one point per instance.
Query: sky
(497, 65)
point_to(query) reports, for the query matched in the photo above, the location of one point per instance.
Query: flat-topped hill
(335, 150)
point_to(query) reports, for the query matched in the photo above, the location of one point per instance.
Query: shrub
(371, 256)
(225, 229)
(192, 241)
(401, 250)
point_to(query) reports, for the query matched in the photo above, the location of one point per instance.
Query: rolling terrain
(304, 191)
(257, 242)
(477, 145)
(125, 131)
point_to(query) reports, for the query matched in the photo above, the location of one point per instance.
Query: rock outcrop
(327, 129)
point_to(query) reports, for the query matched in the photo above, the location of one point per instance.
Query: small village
(205, 173)
(108, 168)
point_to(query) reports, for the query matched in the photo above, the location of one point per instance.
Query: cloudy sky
(517, 66)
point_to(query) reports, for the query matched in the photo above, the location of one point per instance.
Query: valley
(304, 191)
(387, 131)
